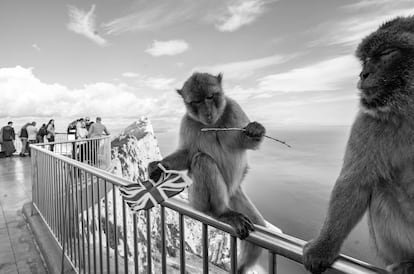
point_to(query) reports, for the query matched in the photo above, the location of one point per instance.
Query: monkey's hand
(255, 131)
(154, 171)
(318, 256)
(240, 222)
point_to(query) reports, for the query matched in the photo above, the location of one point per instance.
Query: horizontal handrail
(279, 243)
(70, 141)
(111, 178)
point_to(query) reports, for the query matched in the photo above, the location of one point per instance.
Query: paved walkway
(18, 252)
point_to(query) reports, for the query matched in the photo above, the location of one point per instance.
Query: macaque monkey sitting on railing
(216, 160)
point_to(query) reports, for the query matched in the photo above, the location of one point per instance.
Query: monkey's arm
(177, 160)
(349, 200)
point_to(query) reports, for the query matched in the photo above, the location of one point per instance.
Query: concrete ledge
(51, 251)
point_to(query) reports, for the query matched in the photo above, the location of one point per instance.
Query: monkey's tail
(248, 256)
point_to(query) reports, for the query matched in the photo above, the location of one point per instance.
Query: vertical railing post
(69, 184)
(93, 195)
(83, 201)
(182, 243)
(35, 177)
(163, 247)
(135, 243)
(125, 232)
(149, 258)
(100, 225)
(233, 255)
(60, 202)
(78, 209)
(205, 247)
(272, 263)
(88, 239)
(108, 264)
(116, 241)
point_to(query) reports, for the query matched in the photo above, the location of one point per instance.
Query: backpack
(42, 131)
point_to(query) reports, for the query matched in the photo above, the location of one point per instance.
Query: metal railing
(59, 137)
(84, 211)
(94, 151)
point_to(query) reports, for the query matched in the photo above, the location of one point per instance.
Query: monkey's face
(386, 79)
(381, 78)
(203, 98)
(206, 110)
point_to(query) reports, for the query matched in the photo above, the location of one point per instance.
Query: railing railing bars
(91, 197)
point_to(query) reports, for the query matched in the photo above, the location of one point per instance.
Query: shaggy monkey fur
(378, 170)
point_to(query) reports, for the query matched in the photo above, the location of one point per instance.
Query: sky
(287, 62)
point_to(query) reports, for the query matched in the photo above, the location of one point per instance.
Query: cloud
(23, 94)
(242, 69)
(326, 75)
(226, 15)
(350, 31)
(155, 83)
(296, 108)
(172, 47)
(159, 83)
(369, 4)
(301, 111)
(240, 93)
(152, 15)
(83, 23)
(130, 74)
(240, 13)
(36, 47)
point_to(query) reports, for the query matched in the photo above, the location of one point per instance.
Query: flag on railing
(147, 194)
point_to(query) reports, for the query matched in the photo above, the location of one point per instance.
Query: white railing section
(79, 204)
(59, 137)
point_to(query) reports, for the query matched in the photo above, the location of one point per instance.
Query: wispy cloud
(369, 4)
(155, 83)
(36, 47)
(371, 14)
(226, 15)
(83, 23)
(326, 75)
(130, 74)
(240, 13)
(160, 83)
(172, 47)
(290, 108)
(152, 15)
(242, 69)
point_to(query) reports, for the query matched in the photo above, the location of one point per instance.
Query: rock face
(131, 152)
(133, 149)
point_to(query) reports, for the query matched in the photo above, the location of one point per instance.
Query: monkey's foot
(240, 222)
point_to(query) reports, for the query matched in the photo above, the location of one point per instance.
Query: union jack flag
(147, 194)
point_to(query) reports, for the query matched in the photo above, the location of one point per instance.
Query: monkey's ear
(179, 91)
(219, 77)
